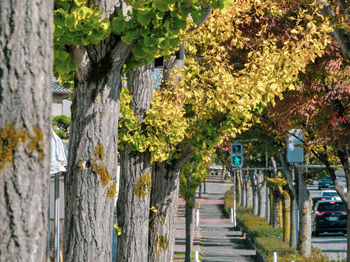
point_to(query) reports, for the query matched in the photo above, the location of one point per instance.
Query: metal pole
(197, 217)
(57, 214)
(48, 229)
(267, 191)
(234, 199)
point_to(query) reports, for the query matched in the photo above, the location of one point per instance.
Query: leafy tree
(219, 98)
(321, 109)
(92, 42)
(192, 176)
(61, 125)
(25, 127)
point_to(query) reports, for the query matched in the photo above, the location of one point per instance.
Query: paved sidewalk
(215, 239)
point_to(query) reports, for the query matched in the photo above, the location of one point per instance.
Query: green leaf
(117, 26)
(58, 30)
(145, 31)
(70, 21)
(161, 5)
(149, 59)
(144, 20)
(130, 36)
(65, 5)
(60, 17)
(150, 41)
(138, 51)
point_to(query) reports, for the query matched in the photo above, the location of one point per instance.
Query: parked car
(329, 216)
(325, 183)
(330, 193)
(318, 198)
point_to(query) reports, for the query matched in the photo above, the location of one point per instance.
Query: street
(333, 245)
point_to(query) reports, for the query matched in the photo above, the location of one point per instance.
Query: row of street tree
(243, 66)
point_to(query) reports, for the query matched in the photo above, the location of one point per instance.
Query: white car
(331, 193)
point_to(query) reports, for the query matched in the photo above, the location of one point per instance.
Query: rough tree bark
(286, 217)
(135, 180)
(249, 193)
(243, 188)
(25, 127)
(92, 165)
(189, 223)
(162, 224)
(288, 173)
(305, 205)
(254, 183)
(261, 194)
(277, 198)
(277, 209)
(165, 176)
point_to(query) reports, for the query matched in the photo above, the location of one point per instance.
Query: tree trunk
(238, 186)
(165, 176)
(293, 226)
(135, 180)
(133, 205)
(161, 241)
(25, 127)
(90, 182)
(286, 217)
(189, 230)
(254, 182)
(305, 205)
(249, 195)
(277, 210)
(288, 173)
(261, 195)
(243, 189)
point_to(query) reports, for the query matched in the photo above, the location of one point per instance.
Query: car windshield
(329, 194)
(331, 206)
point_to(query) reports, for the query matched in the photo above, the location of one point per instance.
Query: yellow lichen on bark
(112, 190)
(10, 137)
(36, 143)
(143, 186)
(162, 243)
(99, 152)
(103, 173)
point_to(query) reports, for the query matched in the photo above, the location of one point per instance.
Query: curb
(259, 256)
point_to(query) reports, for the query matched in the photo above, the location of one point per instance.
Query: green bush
(265, 237)
(61, 125)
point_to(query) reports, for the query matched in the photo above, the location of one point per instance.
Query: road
(332, 245)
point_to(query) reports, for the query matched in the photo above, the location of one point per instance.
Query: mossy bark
(165, 176)
(277, 210)
(162, 223)
(133, 205)
(261, 194)
(286, 217)
(25, 127)
(89, 210)
(305, 205)
(249, 195)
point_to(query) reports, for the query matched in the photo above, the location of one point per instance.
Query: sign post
(236, 162)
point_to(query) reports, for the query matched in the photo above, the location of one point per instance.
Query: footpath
(215, 239)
